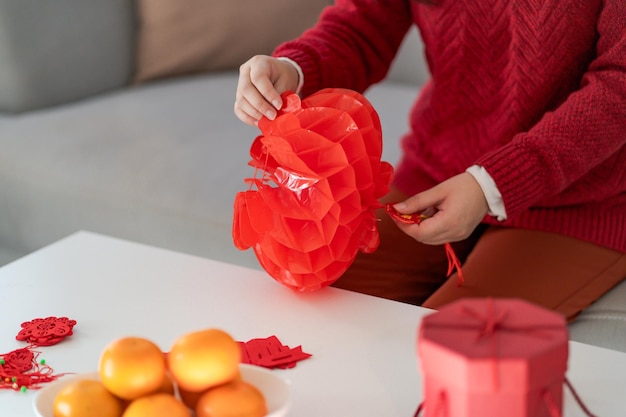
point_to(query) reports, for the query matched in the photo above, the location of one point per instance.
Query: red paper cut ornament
(270, 353)
(46, 332)
(18, 361)
(314, 205)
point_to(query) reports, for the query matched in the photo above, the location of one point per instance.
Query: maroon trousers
(558, 272)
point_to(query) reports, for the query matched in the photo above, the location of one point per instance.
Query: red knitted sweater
(532, 90)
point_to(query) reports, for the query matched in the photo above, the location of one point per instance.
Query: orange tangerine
(234, 399)
(86, 398)
(190, 398)
(167, 386)
(157, 405)
(131, 367)
(203, 359)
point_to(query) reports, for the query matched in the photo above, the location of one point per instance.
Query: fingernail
(277, 104)
(400, 206)
(270, 114)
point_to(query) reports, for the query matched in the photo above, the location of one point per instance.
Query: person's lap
(551, 270)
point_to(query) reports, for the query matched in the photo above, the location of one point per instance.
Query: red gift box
(493, 358)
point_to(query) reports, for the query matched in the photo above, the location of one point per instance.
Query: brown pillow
(179, 37)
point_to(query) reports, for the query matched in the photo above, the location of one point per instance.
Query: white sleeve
(492, 194)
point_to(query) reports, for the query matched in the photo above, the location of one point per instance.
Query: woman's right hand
(261, 81)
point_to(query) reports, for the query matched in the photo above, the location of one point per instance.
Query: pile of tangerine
(200, 375)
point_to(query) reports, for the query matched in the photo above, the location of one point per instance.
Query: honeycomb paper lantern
(318, 176)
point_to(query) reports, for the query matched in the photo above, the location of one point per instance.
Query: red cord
(552, 407)
(453, 262)
(579, 400)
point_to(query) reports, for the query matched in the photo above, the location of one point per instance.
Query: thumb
(425, 201)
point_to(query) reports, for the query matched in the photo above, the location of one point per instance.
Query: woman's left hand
(459, 206)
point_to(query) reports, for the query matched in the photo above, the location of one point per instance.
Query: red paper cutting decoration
(270, 353)
(322, 174)
(46, 332)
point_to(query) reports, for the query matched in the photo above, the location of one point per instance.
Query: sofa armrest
(52, 52)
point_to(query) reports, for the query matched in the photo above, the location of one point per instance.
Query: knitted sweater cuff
(307, 63)
(515, 174)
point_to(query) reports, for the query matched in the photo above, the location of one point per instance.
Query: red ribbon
(441, 407)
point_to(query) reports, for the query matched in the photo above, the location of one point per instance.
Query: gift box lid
(482, 342)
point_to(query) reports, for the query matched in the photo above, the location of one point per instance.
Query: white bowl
(275, 389)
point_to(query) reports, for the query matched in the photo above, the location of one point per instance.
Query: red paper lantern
(313, 207)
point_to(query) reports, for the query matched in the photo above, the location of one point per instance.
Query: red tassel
(21, 370)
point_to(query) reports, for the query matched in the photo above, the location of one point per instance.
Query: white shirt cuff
(492, 194)
(299, 70)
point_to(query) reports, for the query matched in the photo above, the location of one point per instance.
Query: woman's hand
(261, 81)
(459, 206)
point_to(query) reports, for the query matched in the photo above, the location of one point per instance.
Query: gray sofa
(82, 147)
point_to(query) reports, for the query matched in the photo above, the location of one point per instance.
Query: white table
(363, 363)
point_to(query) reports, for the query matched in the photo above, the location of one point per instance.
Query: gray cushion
(159, 164)
(58, 51)
(604, 322)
